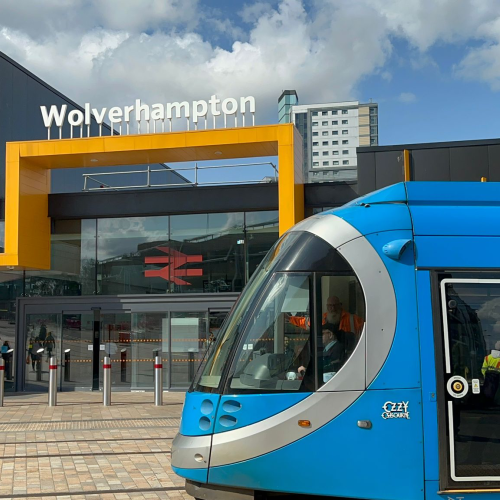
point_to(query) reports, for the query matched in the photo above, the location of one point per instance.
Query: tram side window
(275, 354)
(342, 321)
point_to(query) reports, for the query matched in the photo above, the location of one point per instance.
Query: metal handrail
(106, 187)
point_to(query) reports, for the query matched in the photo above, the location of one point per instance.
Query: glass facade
(198, 253)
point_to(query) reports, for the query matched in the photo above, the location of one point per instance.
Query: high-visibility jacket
(491, 363)
(348, 322)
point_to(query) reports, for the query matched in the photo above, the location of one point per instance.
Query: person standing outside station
(49, 345)
(7, 357)
(42, 334)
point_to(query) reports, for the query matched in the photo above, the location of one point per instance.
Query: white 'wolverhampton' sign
(157, 113)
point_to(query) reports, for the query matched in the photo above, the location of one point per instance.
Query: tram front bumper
(209, 492)
(190, 455)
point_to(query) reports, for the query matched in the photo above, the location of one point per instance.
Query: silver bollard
(107, 382)
(158, 366)
(53, 381)
(2, 378)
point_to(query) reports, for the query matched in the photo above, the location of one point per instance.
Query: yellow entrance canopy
(28, 166)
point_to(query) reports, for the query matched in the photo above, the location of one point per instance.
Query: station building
(134, 273)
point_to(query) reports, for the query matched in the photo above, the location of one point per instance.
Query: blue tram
(353, 364)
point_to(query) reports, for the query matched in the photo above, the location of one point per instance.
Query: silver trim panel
(184, 449)
(329, 227)
(380, 298)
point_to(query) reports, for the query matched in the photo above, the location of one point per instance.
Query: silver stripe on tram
(191, 452)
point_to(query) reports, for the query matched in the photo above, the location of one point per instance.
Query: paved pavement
(83, 450)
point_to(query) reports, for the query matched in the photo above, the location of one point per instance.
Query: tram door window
(471, 318)
(342, 320)
(276, 351)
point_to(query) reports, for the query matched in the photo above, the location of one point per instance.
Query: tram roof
(436, 193)
(436, 209)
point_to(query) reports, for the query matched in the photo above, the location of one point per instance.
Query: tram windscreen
(210, 372)
(295, 324)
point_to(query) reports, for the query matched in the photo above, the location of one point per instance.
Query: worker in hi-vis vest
(334, 314)
(491, 373)
(492, 361)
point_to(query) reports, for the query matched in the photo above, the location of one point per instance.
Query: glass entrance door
(43, 340)
(116, 343)
(77, 351)
(131, 330)
(188, 338)
(471, 320)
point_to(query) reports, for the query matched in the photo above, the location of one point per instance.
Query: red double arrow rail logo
(174, 260)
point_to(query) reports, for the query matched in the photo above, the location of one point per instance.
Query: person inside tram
(335, 314)
(332, 355)
(297, 354)
(491, 374)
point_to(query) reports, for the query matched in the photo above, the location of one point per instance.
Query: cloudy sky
(432, 65)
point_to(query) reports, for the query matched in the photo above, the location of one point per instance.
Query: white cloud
(407, 97)
(250, 13)
(110, 52)
(483, 62)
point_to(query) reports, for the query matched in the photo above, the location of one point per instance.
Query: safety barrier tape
(129, 341)
(147, 360)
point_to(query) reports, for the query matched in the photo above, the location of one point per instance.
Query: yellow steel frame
(28, 166)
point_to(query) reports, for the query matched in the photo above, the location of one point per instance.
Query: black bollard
(191, 365)
(39, 355)
(39, 368)
(67, 366)
(123, 365)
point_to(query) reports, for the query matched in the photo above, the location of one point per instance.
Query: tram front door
(471, 420)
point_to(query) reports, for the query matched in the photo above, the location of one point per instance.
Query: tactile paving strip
(90, 424)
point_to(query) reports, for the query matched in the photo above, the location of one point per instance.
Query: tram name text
(396, 410)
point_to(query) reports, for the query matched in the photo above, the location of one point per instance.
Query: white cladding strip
(279, 430)
(191, 452)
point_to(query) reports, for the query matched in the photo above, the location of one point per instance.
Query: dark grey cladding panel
(389, 168)
(329, 194)
(366, 172)
(430, 164)
(469, 163)
(6, 105)
(205, 199)
(21, 95)
(494, 163)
